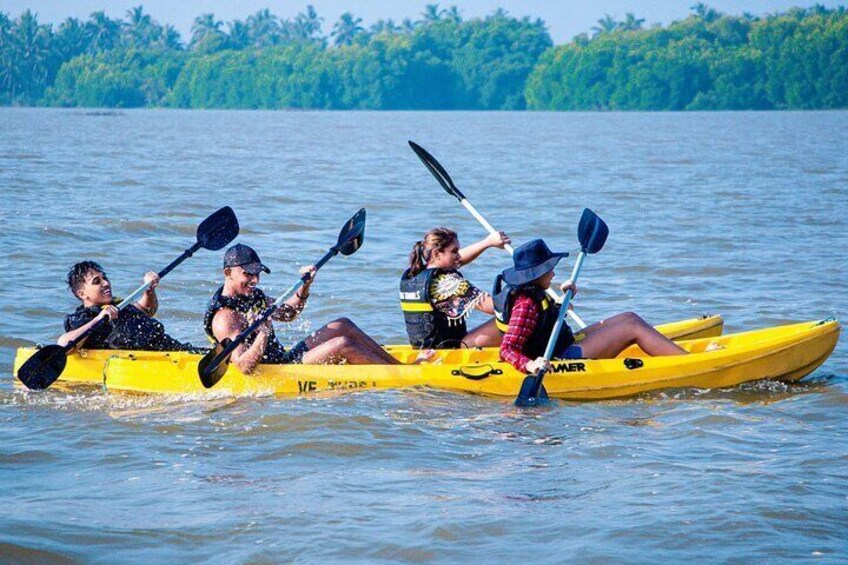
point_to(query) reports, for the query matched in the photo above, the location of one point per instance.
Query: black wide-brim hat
(530, 261)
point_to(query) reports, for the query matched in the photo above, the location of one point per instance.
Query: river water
(742, 214)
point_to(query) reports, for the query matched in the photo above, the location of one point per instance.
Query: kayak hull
(785, 353)
(88, 365)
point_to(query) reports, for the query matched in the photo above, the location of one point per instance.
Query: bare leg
(359, 341)
(486, 335)
(606, 339)
(342, 349)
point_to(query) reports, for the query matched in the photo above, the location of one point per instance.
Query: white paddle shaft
(508, 248)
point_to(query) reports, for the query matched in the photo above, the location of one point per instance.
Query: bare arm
(228, 324)
(486, 305)
(149, 302)
(471, 252)
(292, 307)
(68, 337)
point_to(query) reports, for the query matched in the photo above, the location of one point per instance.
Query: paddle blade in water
(353, 234)
(592, 232)
(528, 397)
(437, 170)
(43, 368)
(211, 378)
(218, 230)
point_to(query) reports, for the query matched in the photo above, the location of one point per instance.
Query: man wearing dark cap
(238, 302)
(527, 317)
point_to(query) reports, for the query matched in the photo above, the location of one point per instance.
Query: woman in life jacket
(436, 299)
(527, 317)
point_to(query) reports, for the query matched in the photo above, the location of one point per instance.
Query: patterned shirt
(522, 323)
(453, 296)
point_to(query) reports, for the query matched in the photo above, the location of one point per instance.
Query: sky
(565, 18)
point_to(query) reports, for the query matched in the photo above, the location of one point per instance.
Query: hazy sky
(565, 18)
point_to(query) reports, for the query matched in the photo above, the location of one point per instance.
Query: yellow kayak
(785, 353)
(88, 364)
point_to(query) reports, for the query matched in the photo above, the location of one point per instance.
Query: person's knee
(342, 343)
(344, 324)
(631, 318)
(636, 322)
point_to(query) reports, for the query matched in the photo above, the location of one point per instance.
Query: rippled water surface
(742, 214)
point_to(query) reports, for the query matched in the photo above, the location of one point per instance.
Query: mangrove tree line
(796, 59)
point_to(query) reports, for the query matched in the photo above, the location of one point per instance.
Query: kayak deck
(785, 353)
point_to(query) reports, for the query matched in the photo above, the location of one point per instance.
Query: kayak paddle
(592, 233)
(447, 183)
(46, 365)
(214, 364)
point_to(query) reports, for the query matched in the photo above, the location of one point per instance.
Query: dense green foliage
(707, 61)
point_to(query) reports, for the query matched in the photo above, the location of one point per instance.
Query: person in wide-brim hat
(527, 317)
(531, 261)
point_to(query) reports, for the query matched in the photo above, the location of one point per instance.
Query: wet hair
(76, 274)
(437, 239)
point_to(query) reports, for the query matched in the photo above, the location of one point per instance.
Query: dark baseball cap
(240, 255)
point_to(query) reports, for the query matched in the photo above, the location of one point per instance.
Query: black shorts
(294, 356)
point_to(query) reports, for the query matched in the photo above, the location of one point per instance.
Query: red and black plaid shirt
(522, 323)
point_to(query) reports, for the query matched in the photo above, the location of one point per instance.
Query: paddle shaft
(268, 312)
(445, 180)
(132, 297)
(508, 248)
(549, 350)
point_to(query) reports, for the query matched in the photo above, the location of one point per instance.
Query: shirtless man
(238, 302)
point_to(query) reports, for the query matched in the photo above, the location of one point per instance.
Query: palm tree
(432, 13)
(607, 24)
(408, 26)
(264, 28)
(205, 25)
(105, 32)
(453, 14)
(384, 26)
(139, 28)
(705, 12)
(346, 29)
(34, 56)
(71, 38)
(170, 38)
(631, 23)
(7, 58)
(307, 26)
(238, 34)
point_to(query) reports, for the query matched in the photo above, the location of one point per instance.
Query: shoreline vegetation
(794, 60)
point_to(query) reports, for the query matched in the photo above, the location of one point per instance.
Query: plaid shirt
(522, 323)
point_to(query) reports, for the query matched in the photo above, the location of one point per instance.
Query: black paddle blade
(218, 230)
(352, 234)
(437, 170)
(211, 378)
(592, 232)
(43, 368)
(528, 397)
